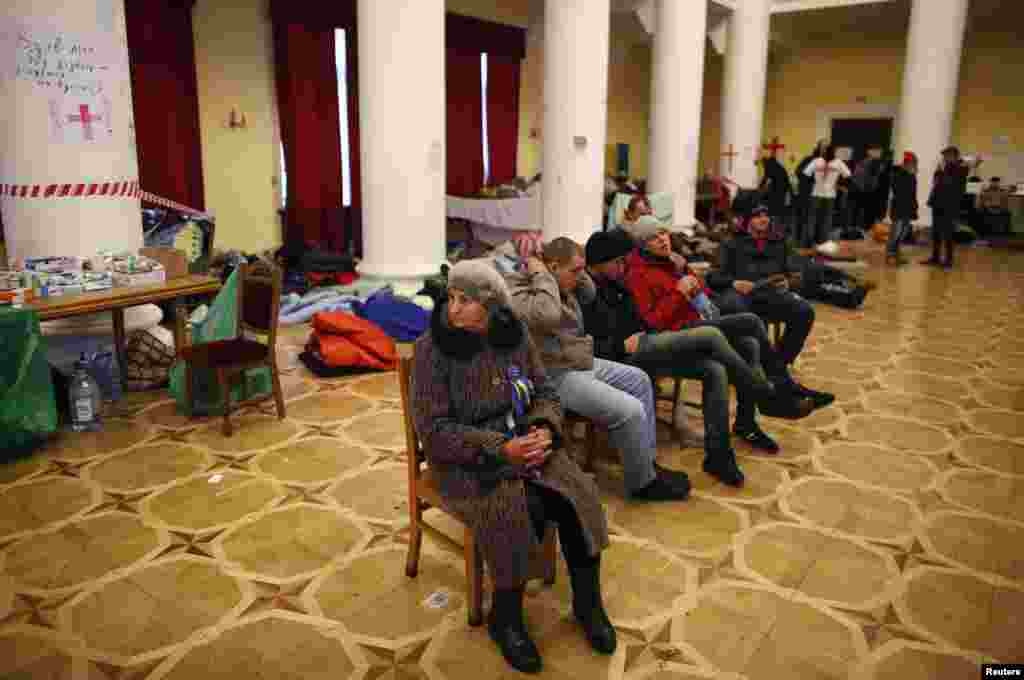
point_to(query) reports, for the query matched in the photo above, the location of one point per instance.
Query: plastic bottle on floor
(85, 399)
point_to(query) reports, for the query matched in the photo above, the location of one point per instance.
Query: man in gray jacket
(548, 297)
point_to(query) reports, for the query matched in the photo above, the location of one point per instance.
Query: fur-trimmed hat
(646, 228)
(479, 280)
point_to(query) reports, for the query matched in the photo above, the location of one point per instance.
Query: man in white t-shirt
(826, 172)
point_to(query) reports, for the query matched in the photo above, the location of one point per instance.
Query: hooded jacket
(652, 280)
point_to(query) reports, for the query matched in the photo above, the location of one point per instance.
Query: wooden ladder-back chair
(259, 302)
(424, 494)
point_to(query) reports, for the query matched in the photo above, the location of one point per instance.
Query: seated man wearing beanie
(702, 352)
(548, 296)
(754, 276)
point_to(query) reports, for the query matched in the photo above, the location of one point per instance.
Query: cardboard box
(155, 277)
(174, 262)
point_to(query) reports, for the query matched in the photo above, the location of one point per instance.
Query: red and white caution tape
(125, 189)
(168, 203)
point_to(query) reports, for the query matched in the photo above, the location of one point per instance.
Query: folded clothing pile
(342, 343)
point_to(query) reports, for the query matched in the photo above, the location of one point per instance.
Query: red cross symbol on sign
(86, 119)
(775, 147)
(730, 154)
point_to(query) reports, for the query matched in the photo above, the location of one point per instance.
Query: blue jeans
(897, 233)
(621, 399)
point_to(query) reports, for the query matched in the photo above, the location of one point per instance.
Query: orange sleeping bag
(343, 339)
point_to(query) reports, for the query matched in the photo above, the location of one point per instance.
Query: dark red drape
(503, 77)
(307, 94)
(470, 34)
(165, 99)
(354, 212)
(465, 162)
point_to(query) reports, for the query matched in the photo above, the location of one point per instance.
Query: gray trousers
(705, 354)
(620, 398)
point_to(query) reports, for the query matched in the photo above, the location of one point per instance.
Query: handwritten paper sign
(66, 64)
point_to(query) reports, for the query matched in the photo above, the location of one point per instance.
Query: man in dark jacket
(754, 276)
(775, 187)
(949, 184)
(903, 209)
(613, 319)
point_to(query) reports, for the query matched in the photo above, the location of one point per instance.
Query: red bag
(343, 339)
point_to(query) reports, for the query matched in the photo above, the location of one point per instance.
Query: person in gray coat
(491, 426)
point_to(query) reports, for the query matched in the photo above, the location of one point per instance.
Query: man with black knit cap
(703, 353)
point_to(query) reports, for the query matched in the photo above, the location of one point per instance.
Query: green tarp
(220, 324)
(28, 410)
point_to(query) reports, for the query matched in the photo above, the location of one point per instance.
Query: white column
(576, 34)
(66, 92)
(676, 95)
(746, 73)
(402, 128)
(930, 79)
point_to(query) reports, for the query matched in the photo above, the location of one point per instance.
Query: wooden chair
(259, 301)
(570, 422)
(424, 494)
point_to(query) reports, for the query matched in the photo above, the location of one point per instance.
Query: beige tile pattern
(885, 541)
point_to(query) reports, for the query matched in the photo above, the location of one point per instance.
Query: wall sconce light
(236, 121)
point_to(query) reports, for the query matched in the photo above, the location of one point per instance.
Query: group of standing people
(876, 188)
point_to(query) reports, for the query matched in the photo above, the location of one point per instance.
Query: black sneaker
(722, 466)
(790, 406)
(757, 438)
(819, 399)
(667, 485)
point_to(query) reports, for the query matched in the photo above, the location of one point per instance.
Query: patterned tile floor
(887, 539)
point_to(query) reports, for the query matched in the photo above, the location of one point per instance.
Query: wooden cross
(731, 154)
(775, 147)
(86, 119)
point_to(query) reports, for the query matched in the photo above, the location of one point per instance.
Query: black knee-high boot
(588, 606)
(506, 627)
(948, 262)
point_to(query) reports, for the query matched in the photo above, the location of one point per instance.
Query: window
(341, 68)
(340, 53)
(483, 99)
(340, 61)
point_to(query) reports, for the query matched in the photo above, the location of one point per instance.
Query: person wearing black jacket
(620, 334)
(949, 184)
(903, 209)
(775, 187)
(754, 275)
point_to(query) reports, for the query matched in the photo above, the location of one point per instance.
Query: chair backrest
(414, 452)
(259, 302)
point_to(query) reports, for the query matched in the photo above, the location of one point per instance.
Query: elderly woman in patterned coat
(492, 432)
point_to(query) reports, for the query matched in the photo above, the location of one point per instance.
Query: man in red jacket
(671, 297)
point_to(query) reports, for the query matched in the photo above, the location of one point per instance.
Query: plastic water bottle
(705, 307)
(85, 399)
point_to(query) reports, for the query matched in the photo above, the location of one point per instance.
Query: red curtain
(354, 212)
(165, 99)
(307, 93)
(465, 162)
(503, 77)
